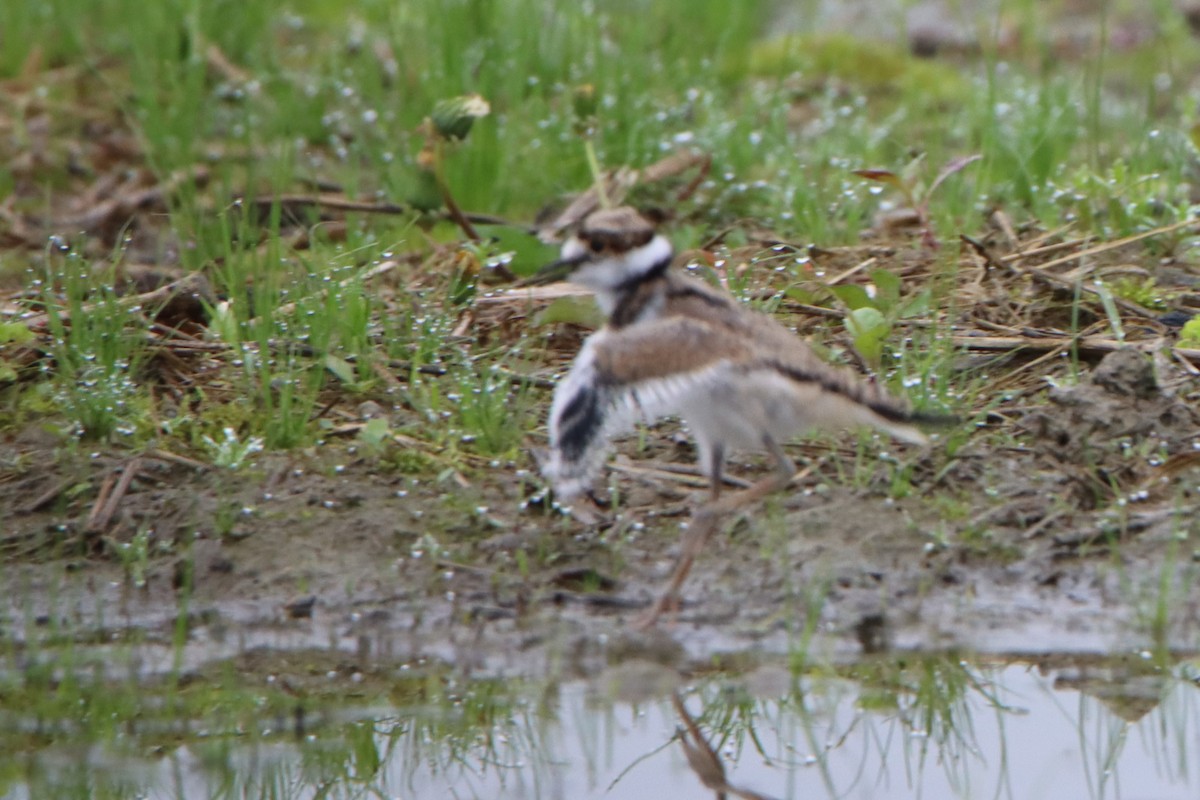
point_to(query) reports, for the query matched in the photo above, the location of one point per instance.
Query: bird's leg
(716, 471)
(785, 468)
(706, 520)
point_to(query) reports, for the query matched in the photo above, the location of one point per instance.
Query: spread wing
(622, 376)
(651, 370)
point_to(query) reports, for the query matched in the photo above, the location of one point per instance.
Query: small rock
(874, 633)
(302, 608)
(369, 409)
(1176, 319)
(933, 29)
(1127, 372)
(221, 565)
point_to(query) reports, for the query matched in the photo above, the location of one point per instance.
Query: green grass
(320, 92)
(97, 352)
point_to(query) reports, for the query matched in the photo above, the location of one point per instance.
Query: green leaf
(867, 321)
(342, 369)
(529, 253)
(375, 431)
(14, 333)
(1190, 335)
(916, 306)
(802, 295)
(887, 288)
(868, 327)
(853, 295)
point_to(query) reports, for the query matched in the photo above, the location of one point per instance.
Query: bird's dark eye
(596, 245)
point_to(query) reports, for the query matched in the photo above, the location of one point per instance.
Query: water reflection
(909, 726)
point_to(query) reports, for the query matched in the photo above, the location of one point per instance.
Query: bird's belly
(740, 409)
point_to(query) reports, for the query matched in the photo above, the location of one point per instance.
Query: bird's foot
(667, 603)
(587, 512)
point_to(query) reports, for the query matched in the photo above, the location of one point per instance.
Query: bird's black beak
(554, 271)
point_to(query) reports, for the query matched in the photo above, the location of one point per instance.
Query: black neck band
(657, 269)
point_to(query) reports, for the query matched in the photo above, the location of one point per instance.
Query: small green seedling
(1190, 335)
(910, 188)
(231, 452)
(872, 314)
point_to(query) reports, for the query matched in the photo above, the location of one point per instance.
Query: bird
(675, 346)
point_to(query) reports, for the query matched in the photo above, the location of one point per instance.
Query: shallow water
(909, 726)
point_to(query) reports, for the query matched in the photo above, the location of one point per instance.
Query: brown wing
(664, 356)
(652, 370)
(663, 349)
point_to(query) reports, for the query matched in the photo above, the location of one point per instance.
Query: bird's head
(613, 247)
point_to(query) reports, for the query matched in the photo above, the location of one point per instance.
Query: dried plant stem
(456, 214)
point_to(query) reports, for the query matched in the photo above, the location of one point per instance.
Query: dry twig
(110, 497)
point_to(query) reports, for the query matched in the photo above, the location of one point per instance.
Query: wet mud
(1069, 526)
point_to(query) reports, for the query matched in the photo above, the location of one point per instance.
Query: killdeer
(676, 346)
